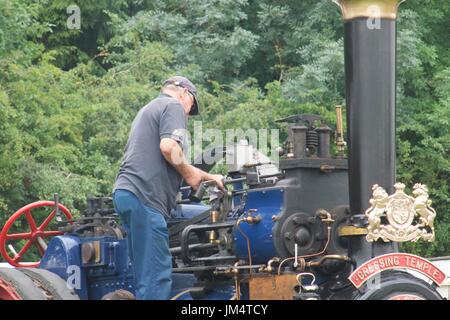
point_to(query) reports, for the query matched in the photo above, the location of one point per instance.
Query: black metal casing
(370, 85)
(370, 61)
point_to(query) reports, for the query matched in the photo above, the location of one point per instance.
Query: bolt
(288, 236)
(297, 221)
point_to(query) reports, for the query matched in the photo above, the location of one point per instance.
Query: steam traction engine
(313, 226)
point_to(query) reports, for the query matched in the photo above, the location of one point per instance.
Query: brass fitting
(328, 257)
(214, 216)
(340, 143)
(252, 220)
(213, 237)
(269, 267)
(325, 216)
(235, 270)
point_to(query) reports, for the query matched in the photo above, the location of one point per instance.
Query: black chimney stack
(370, 60)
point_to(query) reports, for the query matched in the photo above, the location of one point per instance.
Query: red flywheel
(35, 235)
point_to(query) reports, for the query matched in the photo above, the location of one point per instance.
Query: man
(148, 181)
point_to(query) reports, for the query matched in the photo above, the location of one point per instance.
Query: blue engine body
(112, 270)
(268, 203)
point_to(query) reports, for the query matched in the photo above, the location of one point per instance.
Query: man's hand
(199, 176)
(218, 178)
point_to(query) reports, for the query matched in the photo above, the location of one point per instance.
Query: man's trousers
(148, 246)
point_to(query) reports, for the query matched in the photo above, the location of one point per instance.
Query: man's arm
(193, 176)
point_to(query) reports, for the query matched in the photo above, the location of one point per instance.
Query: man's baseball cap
(187, 84)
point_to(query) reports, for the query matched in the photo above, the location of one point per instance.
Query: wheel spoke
(18, 236)
(47, 221)
(31, 221)
(47, 234)
(23, 250)
(39, 247)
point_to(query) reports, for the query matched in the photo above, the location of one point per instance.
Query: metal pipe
(340, 143)
(370, 59)
(299, 141)
(319, 262)
(234, 180)
(370, 70)
(193, 269)
(193, 247)
(324, 141)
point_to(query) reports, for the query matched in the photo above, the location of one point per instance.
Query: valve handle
(35, 236)
(197, 195)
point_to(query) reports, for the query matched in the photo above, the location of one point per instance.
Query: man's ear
(183, 95)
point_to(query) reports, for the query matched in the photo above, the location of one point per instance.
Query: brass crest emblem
(400, 217)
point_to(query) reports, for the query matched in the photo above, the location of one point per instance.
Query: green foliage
(19, 28)
(215, 41)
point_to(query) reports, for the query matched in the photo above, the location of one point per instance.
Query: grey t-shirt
(143, 170)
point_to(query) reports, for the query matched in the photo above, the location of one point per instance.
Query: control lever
(197, 195)
(58, 214)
